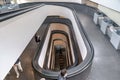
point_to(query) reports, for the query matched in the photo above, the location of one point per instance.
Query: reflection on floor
(106, 63)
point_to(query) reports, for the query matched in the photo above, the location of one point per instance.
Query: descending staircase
(61, 61)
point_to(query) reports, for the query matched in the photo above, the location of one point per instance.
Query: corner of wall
(92, 4)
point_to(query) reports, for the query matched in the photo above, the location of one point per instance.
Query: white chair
(111, 29)
(115, 38)
(100, 20)
(105, 23)
(96, 16)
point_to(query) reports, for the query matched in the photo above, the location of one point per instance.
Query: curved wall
(65, 29)
(67, 13)
(24, 1)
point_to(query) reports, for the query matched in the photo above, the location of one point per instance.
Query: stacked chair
(97, 15)
(105, 23)
(108, 27)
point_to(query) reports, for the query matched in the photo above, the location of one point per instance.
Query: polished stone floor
(106, 62)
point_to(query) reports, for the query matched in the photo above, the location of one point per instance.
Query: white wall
(114, 15)
(111, 8)
(76, 1)
(113, 4)
(15, 34)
